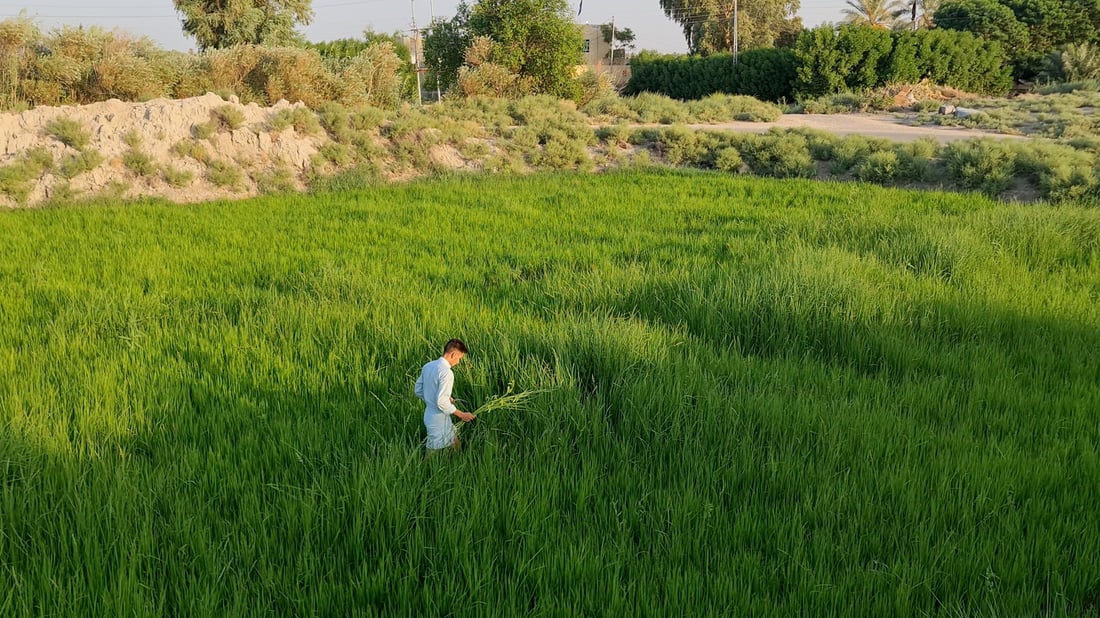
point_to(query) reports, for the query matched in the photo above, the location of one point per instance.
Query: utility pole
(735, 46)
(438, 92)
(416, 53)
(612, 50)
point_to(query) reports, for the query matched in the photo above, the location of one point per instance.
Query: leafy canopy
(708, 24)
(224, 23)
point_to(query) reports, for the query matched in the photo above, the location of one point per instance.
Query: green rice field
(762, 398)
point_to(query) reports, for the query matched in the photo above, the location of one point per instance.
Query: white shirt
(433, 387)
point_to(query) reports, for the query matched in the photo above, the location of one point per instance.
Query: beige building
(597, 54)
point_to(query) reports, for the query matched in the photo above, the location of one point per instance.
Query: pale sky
(336, 19)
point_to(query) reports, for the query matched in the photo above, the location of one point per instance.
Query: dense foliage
(225, 23)
(1029, 29)
(708, 24)
(766, 74)
(763, 398)
(531, 43)
(83, 65)
(855, 58)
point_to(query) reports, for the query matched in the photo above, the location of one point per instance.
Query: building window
(587, 45)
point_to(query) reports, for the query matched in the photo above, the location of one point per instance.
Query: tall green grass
(763, 398)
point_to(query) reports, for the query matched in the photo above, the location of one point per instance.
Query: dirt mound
(906, 95)
(176, 149)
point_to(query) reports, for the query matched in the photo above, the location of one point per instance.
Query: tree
(341, 53)
(1030, 29)
(224, 23)
(624, 41)
(708, 24)
(988, 19)
(445, 46)
(535, 39)
(874, 13)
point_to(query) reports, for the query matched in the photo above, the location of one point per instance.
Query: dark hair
(455, 344)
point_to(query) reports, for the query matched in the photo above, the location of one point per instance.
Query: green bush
(176, 177)
(17, 179)
(859, 58)
(277, 181)
(336, 154)
(728, 160)
(881, 166)
(780, 155)
(839, 103)
(765, 74)
(139, 162)
(190, 148)
(657, 108)
(985, 165)
(916, 159)
(68, 132)
(224, 174)
(303, 119)
(615, 135)
(1062, 172)
(724, 107)
(851, 150)
(680, 145)
(228, 117)
(74, 165)
(132, 138)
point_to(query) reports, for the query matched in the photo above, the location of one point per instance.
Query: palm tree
(874, 13)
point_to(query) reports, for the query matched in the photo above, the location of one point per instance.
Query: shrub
(724, 107)
(680, 145)
(227, 117)
(191, 148)
(132, 138)
(839, 103)
(728, 160)
(594, 86)
(176, 177)
(916, 159)
(881, 166)
(610, 107)
(333, 117)
(1063, 173)
(616, 134)
(277, 181)
(766, 74)
(859, 58)
(224, 174)
(780, 155)
(657, 108)
(850, 151)
(985, 165)
(820, 143)
(139, 162)
(17, 179)
(303, 120)
(337, 154)
(74, 165)
(375, 77)
(205, 130)
(926, 105)
(68, 132)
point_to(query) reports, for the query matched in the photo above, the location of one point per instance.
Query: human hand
(464, 416)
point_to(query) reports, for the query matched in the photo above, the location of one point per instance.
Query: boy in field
(433, 387)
